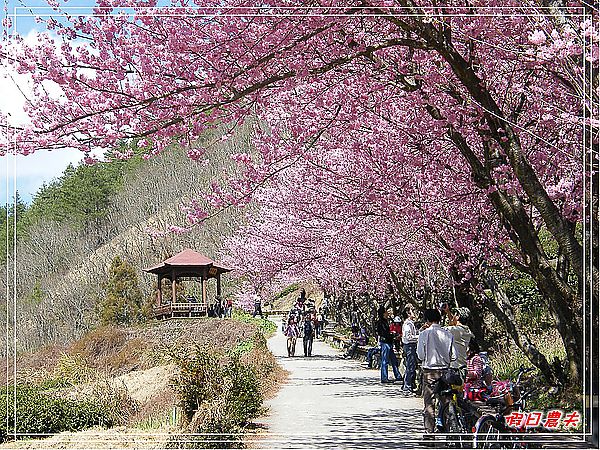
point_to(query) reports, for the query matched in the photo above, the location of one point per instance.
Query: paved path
(331, 402)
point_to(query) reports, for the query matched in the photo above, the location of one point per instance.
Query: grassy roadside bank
(173, 377)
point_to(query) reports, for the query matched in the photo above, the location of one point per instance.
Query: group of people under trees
(220, 308)
(303, 321)
(438, 349)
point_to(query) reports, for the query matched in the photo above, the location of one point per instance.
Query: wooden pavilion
(188, 264)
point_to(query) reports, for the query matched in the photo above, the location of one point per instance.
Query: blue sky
(41, 167)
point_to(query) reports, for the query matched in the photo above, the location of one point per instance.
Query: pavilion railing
(180, 309)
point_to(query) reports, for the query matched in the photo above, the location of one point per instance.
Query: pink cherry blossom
(538, 37)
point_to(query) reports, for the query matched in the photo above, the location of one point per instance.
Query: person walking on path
(410, 336)
(318, 323)
(292, 332)
(435, 348)
(257, 307)
(386, 339)
(309, 332)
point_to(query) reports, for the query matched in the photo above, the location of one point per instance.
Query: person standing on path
(410, 336)
(318, 323)
(257, 306)
(309, 331)
(386, 339)
(396, 329)
(457, 325)
(292, 332)
(435, 348)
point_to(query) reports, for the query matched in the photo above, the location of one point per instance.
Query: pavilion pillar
(173, 287)
(204, 299)
(219, 286)
(159, 290)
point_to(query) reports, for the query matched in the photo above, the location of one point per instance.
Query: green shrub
(531, 308)
(288, 290)
(265, 326)
(243, 397)
(123, 300)
(218, 394)
(242, 347)
(198, 380)
(45, 412)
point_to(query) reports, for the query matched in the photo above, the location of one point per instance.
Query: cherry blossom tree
(462, 121)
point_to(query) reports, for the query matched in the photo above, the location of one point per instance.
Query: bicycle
(457, 416)
(491, 430)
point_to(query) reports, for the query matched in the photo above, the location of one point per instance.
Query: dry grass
(270, 374)
(134, 359)
(32, 366)
(155, 411)
(100, 342)
(115, 350)
(287, 301)
(115, 438)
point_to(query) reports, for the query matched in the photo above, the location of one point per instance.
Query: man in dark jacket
(307, 340)
(386, 339)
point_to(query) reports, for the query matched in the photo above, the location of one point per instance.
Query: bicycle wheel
(488, 433)
(454, 425)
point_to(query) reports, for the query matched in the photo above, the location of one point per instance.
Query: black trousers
(307, 341)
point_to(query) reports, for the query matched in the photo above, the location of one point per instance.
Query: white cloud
(42, 166)
(12, 101)
(32, 171)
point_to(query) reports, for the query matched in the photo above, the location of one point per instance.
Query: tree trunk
(561, 300)
(504, 135)
(464, 297)
(503, 310)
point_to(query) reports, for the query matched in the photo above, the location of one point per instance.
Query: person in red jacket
(396, 330)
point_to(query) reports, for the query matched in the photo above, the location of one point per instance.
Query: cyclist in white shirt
(435, 348)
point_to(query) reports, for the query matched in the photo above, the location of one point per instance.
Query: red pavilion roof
(189, 262)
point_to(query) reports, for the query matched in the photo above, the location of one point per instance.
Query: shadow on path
(331, 402)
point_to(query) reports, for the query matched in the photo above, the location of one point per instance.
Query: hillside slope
(286, 299)
(140, 364)
(60, 269)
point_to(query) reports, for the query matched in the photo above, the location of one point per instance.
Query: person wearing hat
(396, 330)
(457, 325)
